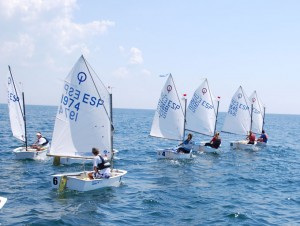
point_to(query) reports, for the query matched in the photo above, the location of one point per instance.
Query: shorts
(100, 175)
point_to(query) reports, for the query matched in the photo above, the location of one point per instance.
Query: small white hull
(202, 148)
(173, 154)
(79, 181)
(243, 145)
(30, 153)
(2, 201)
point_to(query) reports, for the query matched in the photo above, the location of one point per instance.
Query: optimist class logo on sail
(73, 98)
(164, 103)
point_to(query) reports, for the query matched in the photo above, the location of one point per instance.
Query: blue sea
(230, 188)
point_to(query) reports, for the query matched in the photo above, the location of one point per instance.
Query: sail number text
(235, 106)
(72, 99)
(164, 104)
(198, 101)
(12, 97)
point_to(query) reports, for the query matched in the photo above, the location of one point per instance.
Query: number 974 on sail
(72, 115)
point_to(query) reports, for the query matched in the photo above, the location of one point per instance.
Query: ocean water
(230, 188)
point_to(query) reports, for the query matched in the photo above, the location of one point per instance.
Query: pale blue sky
(129, 43)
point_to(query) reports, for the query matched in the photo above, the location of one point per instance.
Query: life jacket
(252, 137)
(216, 143)
(103, 164)
(45, 143)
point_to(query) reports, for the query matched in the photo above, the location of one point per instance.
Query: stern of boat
(172, 154)
(81, 182)
(30, 153)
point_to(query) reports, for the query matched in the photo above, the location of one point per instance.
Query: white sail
(202, 111)
(168, 120)
(15, 108)
(238, 118)
(257, 113)
(83, 116)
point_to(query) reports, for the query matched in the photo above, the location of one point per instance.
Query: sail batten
(83, 115)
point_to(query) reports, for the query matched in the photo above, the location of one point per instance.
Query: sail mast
(263, 118)
(217, 116)
(251, 117)
(24, 117)
(111, 119)
(184, 121)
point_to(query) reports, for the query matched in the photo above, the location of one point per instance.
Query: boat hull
(172, 154)
(243, 145)
(79, 181)
(202, 148)
(30, 153)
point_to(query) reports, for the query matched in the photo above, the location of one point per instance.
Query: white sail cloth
(168, 120)
(83, 116)
(238, 118)
(15, 108)
(258, 112)
(201, 114)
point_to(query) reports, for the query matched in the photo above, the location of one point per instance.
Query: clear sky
(129, 43)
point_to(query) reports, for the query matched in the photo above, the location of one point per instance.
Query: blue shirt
(264, 137)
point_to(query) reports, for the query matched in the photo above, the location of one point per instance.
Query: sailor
(100, 168)
(41, 142)
(215, 141)
(263, 137)
(187, 145)
(251, 137)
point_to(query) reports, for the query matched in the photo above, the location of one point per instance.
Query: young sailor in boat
(215, 141)
(187, 145)
(101, 169)
(41, 142)
(263, 137)
(251, 137)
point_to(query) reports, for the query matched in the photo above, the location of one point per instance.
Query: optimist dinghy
(83, 121)
(169, 121)
(244, 115)
(202, 115)
(79, 181)
(17, 116)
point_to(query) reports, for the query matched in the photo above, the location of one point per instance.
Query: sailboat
(2, 201)
(239, 119)
(202, 114)
(17, 116)
(83, 121)
(258, 115)
(169, 120)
